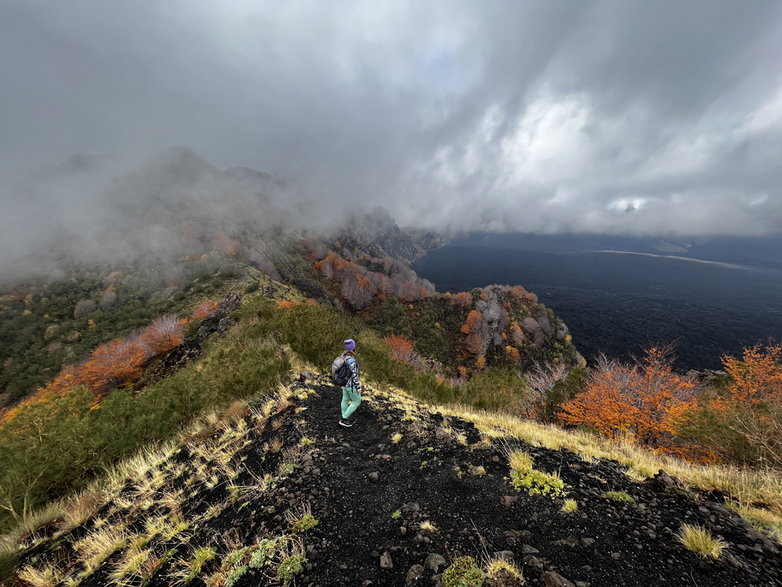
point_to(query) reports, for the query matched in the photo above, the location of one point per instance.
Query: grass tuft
(618, 496)
(523, 476)
(502, 573)
(97, 546)
(48, 576)
(200, 557)
(700, 541)
(570, 506)
(428, 526)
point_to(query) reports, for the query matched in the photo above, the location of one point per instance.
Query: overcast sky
(543, 116)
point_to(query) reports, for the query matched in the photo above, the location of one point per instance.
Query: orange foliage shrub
(462, 299)
(284, 305)
(473, 323)
(645, 400)
(757, 376)
(513, 353)
(162, 335)
(741, 422)
(202, 311)
(480, 362)
(401, 348)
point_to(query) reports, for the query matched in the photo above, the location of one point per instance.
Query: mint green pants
(351, 399)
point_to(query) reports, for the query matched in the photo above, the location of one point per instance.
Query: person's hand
(360, 391)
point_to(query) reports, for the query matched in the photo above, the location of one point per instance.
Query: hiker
(352, 390)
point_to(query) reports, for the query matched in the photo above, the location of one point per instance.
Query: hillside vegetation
(65, 443)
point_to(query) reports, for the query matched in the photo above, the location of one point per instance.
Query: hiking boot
(345, 423)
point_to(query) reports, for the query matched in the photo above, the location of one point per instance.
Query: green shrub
(495, 389)
(463, 572)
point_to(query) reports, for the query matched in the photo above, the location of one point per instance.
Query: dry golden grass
(745, 486)
(48, 576)
(503, 573)
(700, 541)
(427, 526)
(131, 564)
(84, 505)
(97, 546)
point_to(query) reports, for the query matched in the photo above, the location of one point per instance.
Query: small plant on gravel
(292, 561)
(427, 526)
(502, 573)
(306, 441)
(396, 438)
(396, 515)
(463, 572)
(265, 552)
(523, 476)
(287, 469)
(618, 496)
(478, 471)
(700, 541)
(302, 519)
(569, 506)
(235, 575)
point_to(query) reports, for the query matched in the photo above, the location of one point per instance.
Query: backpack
(340, 371)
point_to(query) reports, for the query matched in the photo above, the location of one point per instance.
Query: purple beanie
(350, 344)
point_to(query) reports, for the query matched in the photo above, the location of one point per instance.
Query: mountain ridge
(393, 501)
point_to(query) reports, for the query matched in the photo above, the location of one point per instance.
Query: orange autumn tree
(645, 400)
(757, 376)
(741, 420)
(402, 350)
(474, 343)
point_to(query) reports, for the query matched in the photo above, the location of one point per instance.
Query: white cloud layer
(605, 116)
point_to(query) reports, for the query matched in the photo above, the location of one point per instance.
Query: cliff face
(279, 493)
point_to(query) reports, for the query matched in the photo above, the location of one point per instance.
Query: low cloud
(630, 117)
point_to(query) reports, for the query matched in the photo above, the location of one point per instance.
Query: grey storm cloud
(606, 116)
